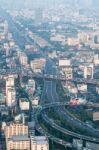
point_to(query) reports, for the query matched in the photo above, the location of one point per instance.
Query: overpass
(51, 137)
(48, 77)
(51, 123)
(62, 78)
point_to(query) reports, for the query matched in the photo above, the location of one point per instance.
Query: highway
(52, 97)
(54, 139)
(67, 132)
(16, 33)
(23, 40)
(61, 78)
(19, 33)
(49, 90)
(52, 123)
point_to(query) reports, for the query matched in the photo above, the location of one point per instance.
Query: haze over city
(47, 3)
(49, 75)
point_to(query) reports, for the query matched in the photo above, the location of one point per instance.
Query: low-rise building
(58, 38)
(68, 72)
(73, 41)
(35, 101)
(30, 87)
(96, 115)
(64, 62)
(31, 126)
(39, 143)
(37, 65)
(92, 146)
(24, 104)
(82, 87)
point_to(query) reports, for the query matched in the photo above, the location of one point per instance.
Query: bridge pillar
(84, 143)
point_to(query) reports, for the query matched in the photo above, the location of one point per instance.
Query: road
(61, 78)
(17, 31)
(54, 139)
(52, 96)
(52, 123)
(49, 86)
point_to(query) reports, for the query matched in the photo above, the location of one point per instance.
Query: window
(41, 148)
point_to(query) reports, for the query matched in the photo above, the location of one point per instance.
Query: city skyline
(49, 75)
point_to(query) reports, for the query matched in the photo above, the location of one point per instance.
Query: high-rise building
(10, 81)
(17, 137)
(68, 72)
(10, 96)
(39, 143)
(18, 143)
(10, 91)
(88, 72)
(15, 130)
(23, 59)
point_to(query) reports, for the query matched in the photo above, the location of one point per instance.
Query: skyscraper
(10, 92)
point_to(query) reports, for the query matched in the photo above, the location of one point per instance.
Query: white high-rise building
(11, 96)
(10, 80)
(10, 92)
(88, 72)
(23, 59)
(39, 143)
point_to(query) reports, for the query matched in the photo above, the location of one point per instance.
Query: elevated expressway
(62, 78)
(52, 123)
(54, 102)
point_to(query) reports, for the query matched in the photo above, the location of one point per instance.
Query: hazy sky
(40, 3)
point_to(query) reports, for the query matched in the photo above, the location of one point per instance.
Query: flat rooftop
(39, 139)
(20, 138)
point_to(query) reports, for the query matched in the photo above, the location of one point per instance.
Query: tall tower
(10, 92)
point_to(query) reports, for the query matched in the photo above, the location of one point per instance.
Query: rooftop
(24, 100)
(20, 138)
(39, 139)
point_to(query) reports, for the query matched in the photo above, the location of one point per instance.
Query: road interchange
(52, 97)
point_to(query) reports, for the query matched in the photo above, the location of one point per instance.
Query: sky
(46, 3)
